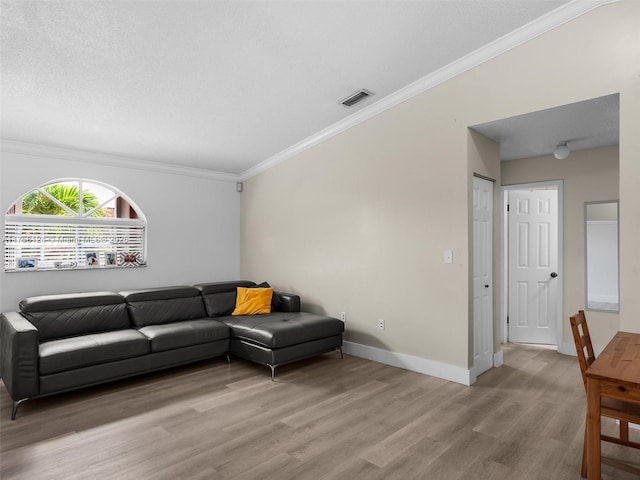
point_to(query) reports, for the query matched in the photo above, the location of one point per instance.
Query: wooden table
(616, 374)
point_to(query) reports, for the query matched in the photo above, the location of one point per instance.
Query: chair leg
(624, 431)
(583, 469)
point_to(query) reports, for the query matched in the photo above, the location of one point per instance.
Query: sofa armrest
(288, 302)
(19, 356)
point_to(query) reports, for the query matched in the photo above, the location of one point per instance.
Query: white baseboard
(569, 348)
(409, 362)
(433, 368)
(498, 359)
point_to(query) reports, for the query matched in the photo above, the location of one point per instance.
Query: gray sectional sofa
(58, 343)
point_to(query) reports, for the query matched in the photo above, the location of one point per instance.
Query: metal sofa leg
(273, 372)
(228, 357)
(16, 404)
(341, 355)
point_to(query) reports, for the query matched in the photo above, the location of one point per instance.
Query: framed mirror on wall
(601, 256)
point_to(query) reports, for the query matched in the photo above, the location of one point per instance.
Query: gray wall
(193, 226)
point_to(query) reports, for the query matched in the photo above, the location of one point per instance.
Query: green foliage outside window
(38, 203)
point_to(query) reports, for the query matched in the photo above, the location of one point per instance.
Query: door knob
(554, 274)
(486, 286)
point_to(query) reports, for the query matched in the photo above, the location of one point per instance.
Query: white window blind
(65, 243)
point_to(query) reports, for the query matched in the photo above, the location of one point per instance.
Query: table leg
(593, 428)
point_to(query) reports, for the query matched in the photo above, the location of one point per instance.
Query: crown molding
(47, 151)
(527, 32)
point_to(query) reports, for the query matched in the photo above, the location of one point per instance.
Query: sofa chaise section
(285, 335)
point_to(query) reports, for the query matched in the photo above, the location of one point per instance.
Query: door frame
(504, 274)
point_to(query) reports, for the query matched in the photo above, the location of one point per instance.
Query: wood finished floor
(323, 418)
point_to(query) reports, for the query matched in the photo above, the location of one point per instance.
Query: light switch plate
(448, 256)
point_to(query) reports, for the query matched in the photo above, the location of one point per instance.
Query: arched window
(73, 224)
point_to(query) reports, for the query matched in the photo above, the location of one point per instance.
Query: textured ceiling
(222, 85)
(582, 126)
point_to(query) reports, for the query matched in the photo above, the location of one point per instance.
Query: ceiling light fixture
(561, 151)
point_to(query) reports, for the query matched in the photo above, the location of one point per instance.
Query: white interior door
(482, 275)
(533, 266)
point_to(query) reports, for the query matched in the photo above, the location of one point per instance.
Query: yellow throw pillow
(253, 301)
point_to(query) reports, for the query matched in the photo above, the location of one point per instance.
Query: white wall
(193, 226)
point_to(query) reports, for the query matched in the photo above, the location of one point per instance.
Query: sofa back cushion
(68, 315)
(220, 297)
(157, 306)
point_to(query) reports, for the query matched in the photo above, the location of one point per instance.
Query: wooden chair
(625, 413)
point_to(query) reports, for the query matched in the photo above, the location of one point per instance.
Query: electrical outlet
(380, 324)
(343, 316)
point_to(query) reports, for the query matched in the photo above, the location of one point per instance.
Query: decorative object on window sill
(26, 263)
(110, 259)
(92, 259)
(65, 265)
(130, 259)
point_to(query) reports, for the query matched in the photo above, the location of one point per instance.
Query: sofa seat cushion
(183, 334)
(283, 329)
(85, 350)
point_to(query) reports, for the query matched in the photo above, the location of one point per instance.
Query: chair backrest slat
(582, 339)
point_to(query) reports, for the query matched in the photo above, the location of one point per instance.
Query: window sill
(102, 267)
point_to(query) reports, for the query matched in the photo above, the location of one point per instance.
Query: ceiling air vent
(357, 97)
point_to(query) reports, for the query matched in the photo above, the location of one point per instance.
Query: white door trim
(504, 297)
